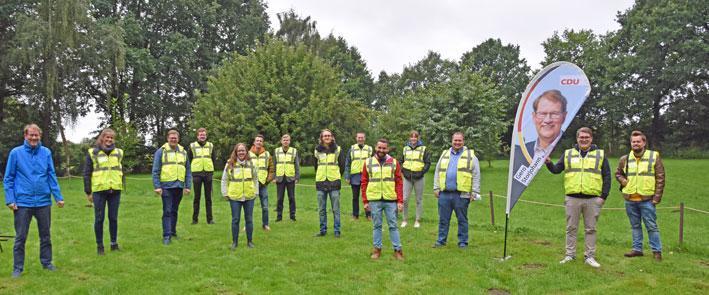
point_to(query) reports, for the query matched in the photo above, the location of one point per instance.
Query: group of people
(383, 183)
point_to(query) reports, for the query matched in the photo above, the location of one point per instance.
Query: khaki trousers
(590, 208)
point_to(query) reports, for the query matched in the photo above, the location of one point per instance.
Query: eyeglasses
(552, 115)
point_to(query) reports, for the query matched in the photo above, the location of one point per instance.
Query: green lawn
(290, 260)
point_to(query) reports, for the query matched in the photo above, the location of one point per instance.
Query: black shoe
(166, 241)
(292, 218)
(100, 251)
(278, 219)
(250, 244)
(114, 247)
(49, 267)
(337, 234)
(210, 222)
(194, 221)
(320, 234)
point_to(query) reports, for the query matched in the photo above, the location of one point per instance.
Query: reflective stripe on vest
(641, 174)
(241, 182)
(261, 163)
(583, 174)
(328, 166)
(285, 162)
(173, 163)
(413, 158)
(358, 156)
(202, 157)
(381, 185)
(107, 171)
(464, 174)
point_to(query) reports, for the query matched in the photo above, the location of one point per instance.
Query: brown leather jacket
(659, 178)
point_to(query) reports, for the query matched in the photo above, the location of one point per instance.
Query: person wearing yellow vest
(201, 157)
(415, 162)
(240, 187)
(587, 181)
(382, 195)
(263, 161)
(641, 175)
(171, 178)
(354, 161)
(287, 162)
(456, 183)
(329, 165)
(103, 183)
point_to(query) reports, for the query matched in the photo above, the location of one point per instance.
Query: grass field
(290, 260)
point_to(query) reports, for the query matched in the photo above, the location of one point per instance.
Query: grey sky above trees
(394, 34)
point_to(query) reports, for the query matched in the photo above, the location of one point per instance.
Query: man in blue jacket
(29, 183)
(171, 178)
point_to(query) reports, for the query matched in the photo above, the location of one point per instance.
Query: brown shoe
(633, 253)
(376, 252)
(657, 255)
(399, 255)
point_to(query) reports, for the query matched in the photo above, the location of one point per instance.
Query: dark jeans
(263, 198)
(236, 218)
(447, 203)
(23, 218)
(280, 190)
(171, 198)
(355, 201)
(198, 180)
(101, 199)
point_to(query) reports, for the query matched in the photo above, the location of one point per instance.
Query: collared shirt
(452, 170)
(544, 152)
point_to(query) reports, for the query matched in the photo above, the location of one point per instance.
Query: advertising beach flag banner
(547, 107)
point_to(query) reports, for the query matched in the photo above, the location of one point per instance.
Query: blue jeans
(644, 211)
(23, 218)
(389, 210)
(263, 198)
(101, 199)
(322, 209)
(447, 203)
(171, 198)
(236, 218)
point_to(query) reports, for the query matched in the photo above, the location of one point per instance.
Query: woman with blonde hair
(103, 182)
(240, 188)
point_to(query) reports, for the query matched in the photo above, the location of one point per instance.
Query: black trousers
(281, 187)
(198, 179)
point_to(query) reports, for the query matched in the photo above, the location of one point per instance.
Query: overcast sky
(392, 34)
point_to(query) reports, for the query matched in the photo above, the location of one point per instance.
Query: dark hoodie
(408, 174)
(605, 172)
(330, 185)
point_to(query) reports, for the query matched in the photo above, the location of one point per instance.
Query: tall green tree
(279, 89)
(662, 45)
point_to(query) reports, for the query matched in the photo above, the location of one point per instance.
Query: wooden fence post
(681, 223)
(492, 210)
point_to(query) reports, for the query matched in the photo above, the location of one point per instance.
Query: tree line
(149, 66)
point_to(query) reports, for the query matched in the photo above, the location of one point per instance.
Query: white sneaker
(417, 224)
(592, 262)
(566, 259)
(403, 224)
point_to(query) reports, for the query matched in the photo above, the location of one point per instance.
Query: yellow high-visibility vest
(381, 185)
(285, 162)
(413, 158)
(583, 174)
(173, 163)
(641, 174)
(358, 156)
(328, 166)
(107, 171)
(464, 174)
(261, 163)
(202, 157)
(241, 182)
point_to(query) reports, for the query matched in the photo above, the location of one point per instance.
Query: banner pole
(504, 251)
